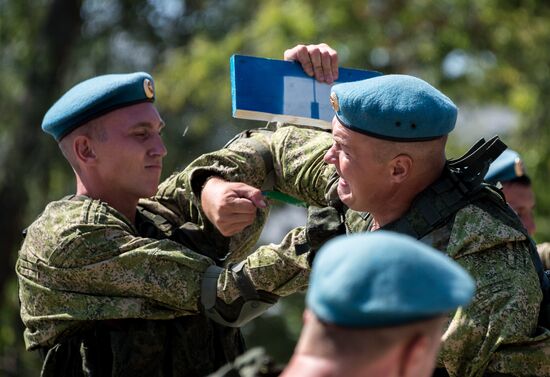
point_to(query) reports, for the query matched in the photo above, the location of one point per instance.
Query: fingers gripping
(319, 60)
(230, 206)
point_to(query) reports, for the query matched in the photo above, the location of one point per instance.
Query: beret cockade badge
(334, 101)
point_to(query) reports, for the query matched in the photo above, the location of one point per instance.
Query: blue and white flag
(280, 91)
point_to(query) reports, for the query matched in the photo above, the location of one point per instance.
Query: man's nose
(158, 148)
(330, 156)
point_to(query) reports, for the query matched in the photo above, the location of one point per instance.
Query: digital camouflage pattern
(173, 203)
(82, 260)
(184, 346)
(253, 363)
(83, 263)
(497, 333)
(273, 268)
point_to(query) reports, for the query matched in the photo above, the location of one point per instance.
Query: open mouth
(342, 182)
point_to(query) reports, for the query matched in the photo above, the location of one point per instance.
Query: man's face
(129, 157)
(522, 200)
(363, 179)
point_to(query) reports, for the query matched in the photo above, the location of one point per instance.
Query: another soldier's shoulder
(476, 229)
(253, 363)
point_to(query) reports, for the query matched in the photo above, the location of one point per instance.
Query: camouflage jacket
(497, 333)
(84, 268)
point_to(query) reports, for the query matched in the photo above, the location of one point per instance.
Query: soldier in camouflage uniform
(508, 171)
(367, 315)
(110, 288)
(387, 169)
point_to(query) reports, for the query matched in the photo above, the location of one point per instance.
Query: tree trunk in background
(50, 56)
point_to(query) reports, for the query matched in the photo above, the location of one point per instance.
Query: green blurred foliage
(481, 53)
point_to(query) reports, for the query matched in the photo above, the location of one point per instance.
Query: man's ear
(307, 316)
(414, 356)
(84, 150)
(401, 167)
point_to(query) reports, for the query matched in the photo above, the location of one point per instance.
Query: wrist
(213, 179)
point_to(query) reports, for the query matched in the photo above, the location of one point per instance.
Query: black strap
(460, 184)
(473, 166)
(152, 225)
(433, 207)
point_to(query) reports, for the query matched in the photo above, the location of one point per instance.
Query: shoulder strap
(460, 184)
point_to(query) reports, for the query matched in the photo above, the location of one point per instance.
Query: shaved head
(426, 153)
(364, 344)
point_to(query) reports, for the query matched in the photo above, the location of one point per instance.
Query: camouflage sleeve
(100, 270)
(277, 269)
(175, 202)
(503, 313)
(529, 358)
(299, 167)
(105, 272)
(82, 261)
(294, 155)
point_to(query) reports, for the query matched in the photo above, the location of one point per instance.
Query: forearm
(279, 269)
(236, 295)
(290, 159)
(174, 202)
(245, 160)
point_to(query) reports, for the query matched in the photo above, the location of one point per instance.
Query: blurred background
(492, 57)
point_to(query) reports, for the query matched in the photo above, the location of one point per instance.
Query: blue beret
(95, 97)
(382, 279)
(506, 167)
(394, 107)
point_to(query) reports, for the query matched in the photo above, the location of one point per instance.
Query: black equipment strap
(458, 186)
(461, 184)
